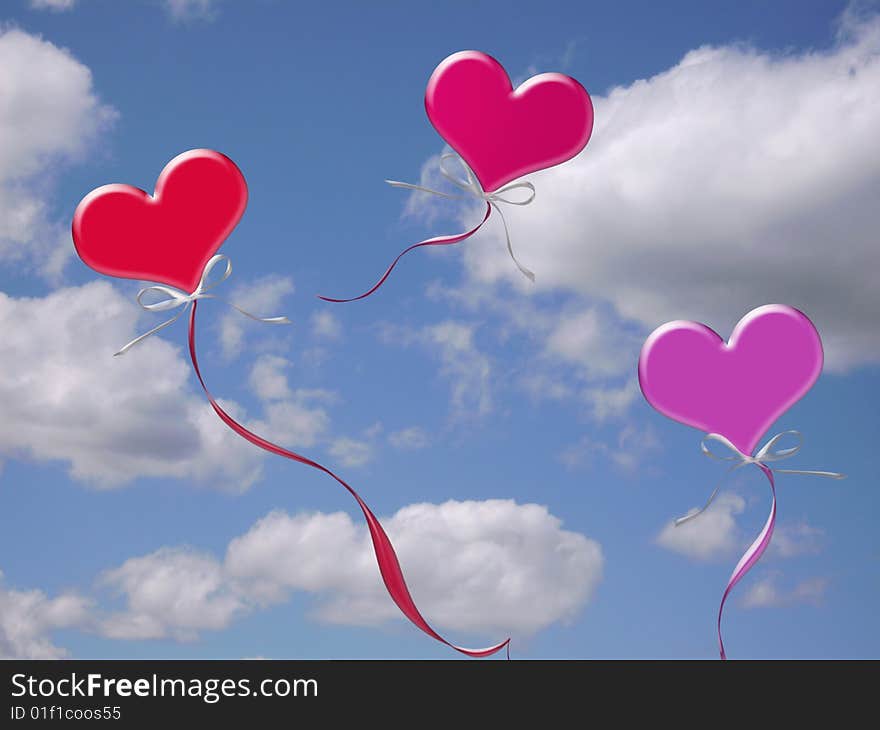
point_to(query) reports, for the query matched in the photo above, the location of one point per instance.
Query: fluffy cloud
(714, 534)
(171, 592)
(351, 452)
(295, 422)
(179, 10)
(578, 353)
(492, 566)
(326, 326)
(628, 451)
(408, 439)
(49, 116)
(472, 566)
(66, 398)
(467, 368)
(268, 379)
(182, 10)
(54, 5)
(463, 363)
(263, 297)
(767, 594)
(27, 619)
(789, 541)
(297, 418)
(733, 179)
(585, 339)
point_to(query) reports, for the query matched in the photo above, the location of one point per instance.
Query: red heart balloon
(169, 236)
(502, 133)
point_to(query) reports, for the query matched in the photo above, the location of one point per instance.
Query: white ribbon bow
(766, 455)
(177, 298)
(472, 187)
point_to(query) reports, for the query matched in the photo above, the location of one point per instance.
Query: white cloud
(267, 378)
(283, 552)
(587, 358)
(263, 297)
(610, 401)
(472, 566)
(715, 534)
(182, 10)
(462, 363)
(179, 10)
(54, 5)
(735, 178)
(586, 339)
(291, 417)
(712, 535)
(541, 386)
(326, 325)
(27, 619)
(296, 417)
(767, 594)
(295, 422)
(789, 541)
(492, 566)
(583, 355)
(425, 206)
(112, 419)
(631, 446)
(475, 567)
(170, 593)
(467, 368)
(408, 439)
(351, 452)
(49, 117)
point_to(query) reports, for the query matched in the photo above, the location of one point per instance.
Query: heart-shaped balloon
(502, 133)
(169, 236)
(737, 388)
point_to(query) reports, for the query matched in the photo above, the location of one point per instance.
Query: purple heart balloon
(736, 388)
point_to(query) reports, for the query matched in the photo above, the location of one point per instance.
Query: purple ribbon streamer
(753, 554)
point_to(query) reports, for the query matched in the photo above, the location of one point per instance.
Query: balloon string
(437, 241)
(753, 554)
(389, 566)
(766, 454)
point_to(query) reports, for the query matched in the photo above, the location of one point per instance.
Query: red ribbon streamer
(437, 241)
(389, 566)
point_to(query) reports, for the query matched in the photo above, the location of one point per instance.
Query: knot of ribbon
(176, 298)
(767, 454)
(472, 188)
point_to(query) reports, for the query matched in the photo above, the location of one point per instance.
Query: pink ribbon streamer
(436, 241)
(753, 554)
(767, 453)
(389, 566)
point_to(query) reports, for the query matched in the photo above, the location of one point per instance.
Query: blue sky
(734, 163)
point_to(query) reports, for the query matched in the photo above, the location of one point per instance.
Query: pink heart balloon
(502, 133)
(736, 388)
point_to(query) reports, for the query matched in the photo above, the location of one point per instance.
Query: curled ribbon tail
(386, 558)
(471, 189)
(752, 555)
(437, 241)
(766, 454)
